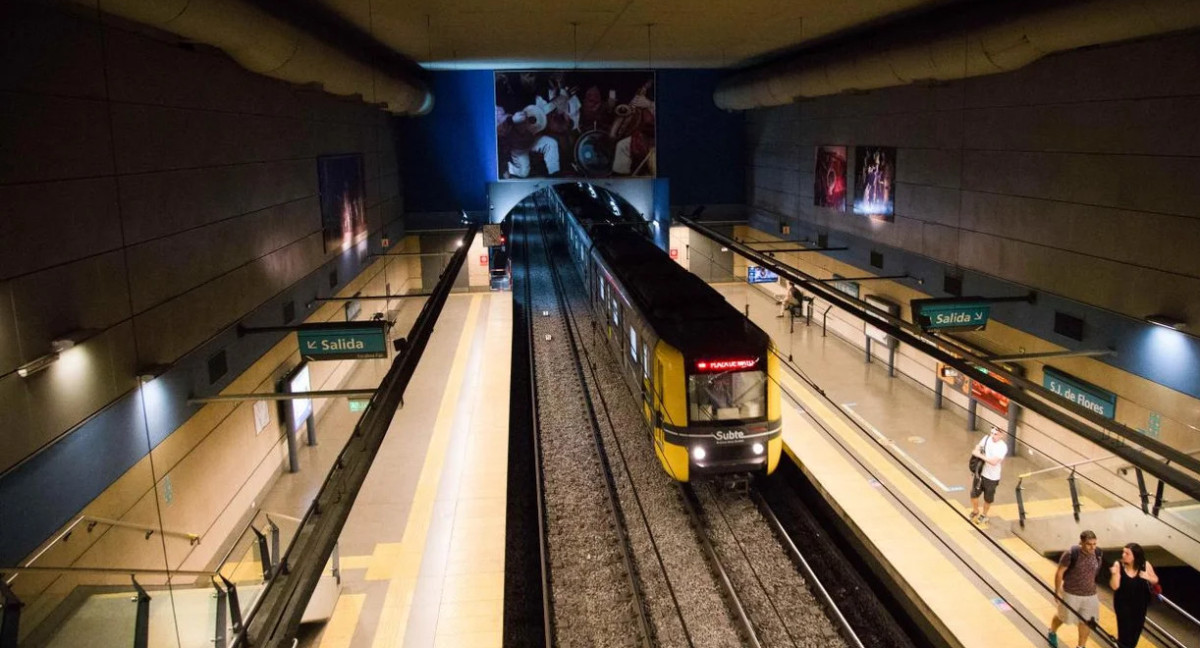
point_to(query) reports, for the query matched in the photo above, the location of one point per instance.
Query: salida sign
(954, 314)
(348, 341)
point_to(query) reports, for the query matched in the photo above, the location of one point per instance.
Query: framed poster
(829, 178)
(575, 123)
(343, 212)
(875, 182)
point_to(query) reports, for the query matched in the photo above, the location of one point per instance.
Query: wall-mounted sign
(483, 259)
(953, 377)
(953, 314)
(353, 309)
(849, 287)
(262, 416)
(1080, 392)
(993, 399)
(674, 253)
(343, 341)
(297, 410)
(358, 404)
(757, 275)
(878, 334)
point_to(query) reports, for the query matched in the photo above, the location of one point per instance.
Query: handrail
(107, 570)
(1180, 610)
(193, 538)
(66, 535)
(1065, 466)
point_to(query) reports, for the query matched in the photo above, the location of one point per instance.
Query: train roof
(684, 310)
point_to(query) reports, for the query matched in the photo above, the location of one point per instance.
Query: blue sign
(755, 274)
(347, 341)
(950, 314)
(1100, 401)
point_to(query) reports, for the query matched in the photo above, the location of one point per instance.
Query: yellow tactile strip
(964, 609)
(967, 613)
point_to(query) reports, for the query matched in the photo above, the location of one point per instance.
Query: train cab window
(633, 345)
(727, 395)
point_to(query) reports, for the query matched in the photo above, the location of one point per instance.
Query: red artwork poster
(829, 181)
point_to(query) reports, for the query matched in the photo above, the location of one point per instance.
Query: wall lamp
(1166, 321)
(28, 369)
(147, 374)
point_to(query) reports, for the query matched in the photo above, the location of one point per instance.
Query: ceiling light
(1166, 321)
(28, 369)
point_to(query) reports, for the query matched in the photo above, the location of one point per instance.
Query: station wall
(153, 194)
(1069, 176)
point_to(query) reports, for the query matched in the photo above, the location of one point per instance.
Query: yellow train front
(720, 408)
(706, 375)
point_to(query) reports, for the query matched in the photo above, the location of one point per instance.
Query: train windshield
(726, 396)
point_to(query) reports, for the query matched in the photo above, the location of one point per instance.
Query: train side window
(633, 344)
(646, 360)
(615, 310)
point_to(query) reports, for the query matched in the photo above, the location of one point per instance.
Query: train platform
(422, 553)
(896, 467)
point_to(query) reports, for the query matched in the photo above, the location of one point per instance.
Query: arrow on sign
(311, 344)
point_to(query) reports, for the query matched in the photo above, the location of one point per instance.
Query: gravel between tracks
(685, 603)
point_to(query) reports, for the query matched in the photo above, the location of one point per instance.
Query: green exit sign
(955, 314)
(343, 341)
(358, 404)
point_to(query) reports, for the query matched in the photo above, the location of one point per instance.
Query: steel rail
(614, 498)
(1018, 389)
(538, 459)
(785, 538)
(692, 505)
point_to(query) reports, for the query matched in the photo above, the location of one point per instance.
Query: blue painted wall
(449, 155)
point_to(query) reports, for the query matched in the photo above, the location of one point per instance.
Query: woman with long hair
(1131, 579)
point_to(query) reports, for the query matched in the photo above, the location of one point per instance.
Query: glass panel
(633, 346)
(727, 396)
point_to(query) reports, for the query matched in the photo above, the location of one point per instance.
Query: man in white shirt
(993, 450)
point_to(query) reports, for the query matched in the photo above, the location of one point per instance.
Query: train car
(707, 376)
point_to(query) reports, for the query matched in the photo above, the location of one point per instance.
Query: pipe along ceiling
(267, 45)
(993, 42)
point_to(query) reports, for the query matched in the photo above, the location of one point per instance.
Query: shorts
(1088, 606)
(985, 486)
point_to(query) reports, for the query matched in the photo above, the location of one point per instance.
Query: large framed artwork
(875, 182)
(343, 212)
(575, 123)
(829, 181)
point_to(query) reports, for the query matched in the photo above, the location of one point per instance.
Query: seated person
(794, 298)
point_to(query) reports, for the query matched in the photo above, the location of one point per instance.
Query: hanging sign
(1100, 401)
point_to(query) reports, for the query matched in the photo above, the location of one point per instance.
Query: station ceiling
(492, 34)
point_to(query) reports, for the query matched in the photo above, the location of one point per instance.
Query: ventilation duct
(998, 46)
(264, 44)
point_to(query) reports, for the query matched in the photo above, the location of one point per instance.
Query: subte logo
(729, 435)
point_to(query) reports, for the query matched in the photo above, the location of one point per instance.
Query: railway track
(683, 567)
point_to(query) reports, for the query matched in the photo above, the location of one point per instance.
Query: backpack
(1075, 554)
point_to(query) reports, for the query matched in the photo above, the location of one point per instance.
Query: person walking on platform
(992, 449)
(1075, 587)
(1131, 580)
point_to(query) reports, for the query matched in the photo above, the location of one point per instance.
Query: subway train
(707, 375)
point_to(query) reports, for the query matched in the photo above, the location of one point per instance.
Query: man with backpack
(1075, 585)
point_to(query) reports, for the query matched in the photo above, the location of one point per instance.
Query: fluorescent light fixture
(28, 369)
(1166, 321)
(71, 339)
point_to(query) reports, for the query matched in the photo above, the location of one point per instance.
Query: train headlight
(757, 448)
(698, 453)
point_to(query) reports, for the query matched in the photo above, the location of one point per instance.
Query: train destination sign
(343, 341)
(950, 314)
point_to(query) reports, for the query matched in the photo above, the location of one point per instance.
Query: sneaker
(974, 514)
(982, 520)
(1053, 637)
